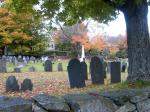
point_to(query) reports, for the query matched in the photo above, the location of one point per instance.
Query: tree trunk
(137, 40)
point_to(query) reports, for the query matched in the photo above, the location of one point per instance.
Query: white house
(51, 45)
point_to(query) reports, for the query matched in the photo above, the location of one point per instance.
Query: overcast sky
(113, 28)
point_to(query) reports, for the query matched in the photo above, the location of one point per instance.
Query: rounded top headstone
(12, 84)
(73, 62)
(96, 60)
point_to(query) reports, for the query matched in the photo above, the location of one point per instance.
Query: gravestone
(48, 66)
(17, 69)
(96, 69)
(12, 84)
(84, 70)
(32, 69)
(26, 85)
(60, 67)
(3, 66)
(115, 72)
(124, 64)
(76, 78)
(123, 69)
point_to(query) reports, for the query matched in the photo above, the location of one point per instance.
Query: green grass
(126, 85)
(39, 66)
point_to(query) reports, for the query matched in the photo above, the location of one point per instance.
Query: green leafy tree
(135, 13)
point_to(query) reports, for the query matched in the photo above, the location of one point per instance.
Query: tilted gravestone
(60, 67)
(3, 66)
(115, 72)
(48, 66)
(84, 70)
(96, 69)
(32, 69)
(26, 85)
(76, 78)
(12, 84)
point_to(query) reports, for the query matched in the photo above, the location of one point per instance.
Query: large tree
(135, 13)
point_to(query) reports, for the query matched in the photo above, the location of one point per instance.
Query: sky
(114, 28)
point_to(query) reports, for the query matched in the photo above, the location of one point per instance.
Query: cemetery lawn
(38, 66)
(56, 83)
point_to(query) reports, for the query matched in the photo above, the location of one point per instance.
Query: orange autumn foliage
(123, 43)
(98, 42)
(10, 29)
(113, 48)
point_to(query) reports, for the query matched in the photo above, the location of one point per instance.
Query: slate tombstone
(96, 69)
(76, 78)
(60, 67)
(12, 84)
(115, 72)
(26, 85)
(84, 70)
(48, 66)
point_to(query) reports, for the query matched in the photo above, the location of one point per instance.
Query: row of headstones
(48, 66)
(77, 72)
(12, 84)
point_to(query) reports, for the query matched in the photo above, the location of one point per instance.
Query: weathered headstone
(96, 69)
(26, 85)
(48, 66)
(76, 78)
(20, 59)
(17, 69)
(60, 67)
(84, 70)
(32, 69)
(3, 66)
(115, 72)
(12, 84)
